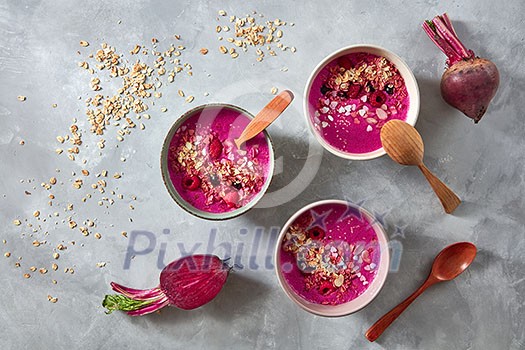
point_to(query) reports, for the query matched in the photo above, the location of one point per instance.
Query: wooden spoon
(404, 145)
(265, 117)
(448, 264)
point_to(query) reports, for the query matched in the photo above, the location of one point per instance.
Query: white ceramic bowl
(362, 300)
(404, 70)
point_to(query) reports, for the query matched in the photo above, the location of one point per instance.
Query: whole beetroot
(470, 82)
(187, 283)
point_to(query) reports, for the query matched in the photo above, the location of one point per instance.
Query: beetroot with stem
(187, 283)
(470, 82)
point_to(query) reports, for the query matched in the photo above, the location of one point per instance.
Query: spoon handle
(448, 198)
(265, 117)
(382, 324)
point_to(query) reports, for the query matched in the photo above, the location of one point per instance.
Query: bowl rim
(409, 78)
(377, 283)
(182, 203)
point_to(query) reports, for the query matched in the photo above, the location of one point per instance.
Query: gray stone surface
(485, 163)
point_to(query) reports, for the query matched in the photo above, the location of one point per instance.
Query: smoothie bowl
(203, 170)
(332, 258)
(352, 93)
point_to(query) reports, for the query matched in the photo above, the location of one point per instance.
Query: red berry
(344, 62)
(215, 148)
(232, 199)
(191, 182)
(316, 233)
(377, 98)
(326, 288)
(354, 90)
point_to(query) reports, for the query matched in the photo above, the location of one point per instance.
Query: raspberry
(191, 182)
(215, 148)
(326, 288)
(377, 98)
(316, 233)
(354, 90)
(345, 62)
(232, 199)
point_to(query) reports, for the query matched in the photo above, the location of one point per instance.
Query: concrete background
(485, 164)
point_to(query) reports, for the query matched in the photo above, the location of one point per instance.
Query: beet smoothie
(330, 254)
(352, 97)
(207, 169)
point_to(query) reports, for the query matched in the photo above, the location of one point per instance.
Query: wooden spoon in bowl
(265, 117)
(448, 264)
(404, 145)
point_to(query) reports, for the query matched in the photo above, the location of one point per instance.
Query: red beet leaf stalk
(470, 82)
(187, 283)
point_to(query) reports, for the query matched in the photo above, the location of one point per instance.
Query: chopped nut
(26, 275)
(7, 254)
(274, 90)
(17, 222)
(223, 49)
(21, 98)
(36, 214)
(98, 235)
(203, 51)
(189, 99)
(222, 13)
(43, 271)
(84, 43)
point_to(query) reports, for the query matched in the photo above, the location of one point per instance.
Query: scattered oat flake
(17, 222)
(21, 98)
(189, 99)
(84, 43)
(101, 264)
(222, 13)
(274, 90)
(203, 51)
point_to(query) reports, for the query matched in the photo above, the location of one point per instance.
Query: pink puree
(341, 225)
(227, 124)
(342, 132)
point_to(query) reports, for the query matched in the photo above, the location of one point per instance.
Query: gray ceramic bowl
(173, 191)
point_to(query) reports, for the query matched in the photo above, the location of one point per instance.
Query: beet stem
(442, 33)
(448, 23)
(430, 29)
(137, 294)
(157, 305)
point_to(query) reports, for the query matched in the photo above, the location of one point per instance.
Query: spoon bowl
(453, 260)
(402, 142)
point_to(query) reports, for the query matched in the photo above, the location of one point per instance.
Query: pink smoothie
(330, 254)
(207, 169)
(352, 97)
